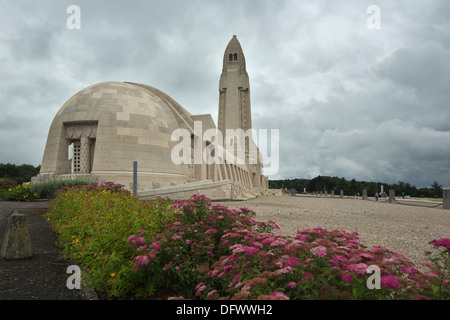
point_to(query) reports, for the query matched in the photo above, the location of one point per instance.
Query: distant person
(376, 196)
(403, 195)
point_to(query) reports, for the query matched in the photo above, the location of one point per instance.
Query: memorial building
(109, 125)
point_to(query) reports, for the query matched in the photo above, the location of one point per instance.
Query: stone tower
(234, 90)
(235, 112)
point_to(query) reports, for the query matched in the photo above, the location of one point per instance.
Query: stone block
(391, 195)
(17, 241)
(446, 196)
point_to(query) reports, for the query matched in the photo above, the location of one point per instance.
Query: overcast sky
(349, 100)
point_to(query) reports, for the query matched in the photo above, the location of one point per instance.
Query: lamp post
(135, 178)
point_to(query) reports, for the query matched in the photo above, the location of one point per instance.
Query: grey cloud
(352, 102)
(424, 67)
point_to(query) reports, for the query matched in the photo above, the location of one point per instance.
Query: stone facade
(111, 124)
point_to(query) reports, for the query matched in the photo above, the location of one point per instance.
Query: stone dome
(112, 124)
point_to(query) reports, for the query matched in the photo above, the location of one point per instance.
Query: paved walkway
(43, 276)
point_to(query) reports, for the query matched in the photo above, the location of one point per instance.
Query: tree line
(19, 173)
(352, 187)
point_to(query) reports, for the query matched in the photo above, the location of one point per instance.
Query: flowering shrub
(212, 252)
(316, 264)
(93, 223)
(7, 183)
(187, 248)
(94, 186)
(439, 272)
(18, 193)
(11, 191)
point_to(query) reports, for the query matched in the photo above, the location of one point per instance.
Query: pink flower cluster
(445, 242)
(232, 256)
(319, 251)
(194, 201)
(196, 235)
(296, 262)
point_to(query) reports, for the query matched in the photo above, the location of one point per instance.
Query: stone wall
(219, 190)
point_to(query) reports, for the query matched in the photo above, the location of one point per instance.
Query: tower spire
(234, 90)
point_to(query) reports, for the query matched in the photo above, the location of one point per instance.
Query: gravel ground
(403, 228)
(43, 276)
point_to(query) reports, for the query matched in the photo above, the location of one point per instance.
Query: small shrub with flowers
(212, 252)
(11, 191)
(7, 183)
(316, 264)
(18, 193)
(188, 246)
(93, 223)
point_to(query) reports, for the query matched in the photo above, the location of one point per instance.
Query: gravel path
(403, 228)
(43, 276)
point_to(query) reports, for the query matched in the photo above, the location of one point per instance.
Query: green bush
(94, 222)
(17, 193)
(20, 173)
(46, 190)
(11, 191)
(7, 183)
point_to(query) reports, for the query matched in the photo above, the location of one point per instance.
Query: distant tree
(316, 184)
(353, 187)
(321, 183)
(341, 185)
(437, 189)
(273, 184)
(20, 174)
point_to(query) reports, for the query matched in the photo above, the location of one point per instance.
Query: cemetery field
(403, 228)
